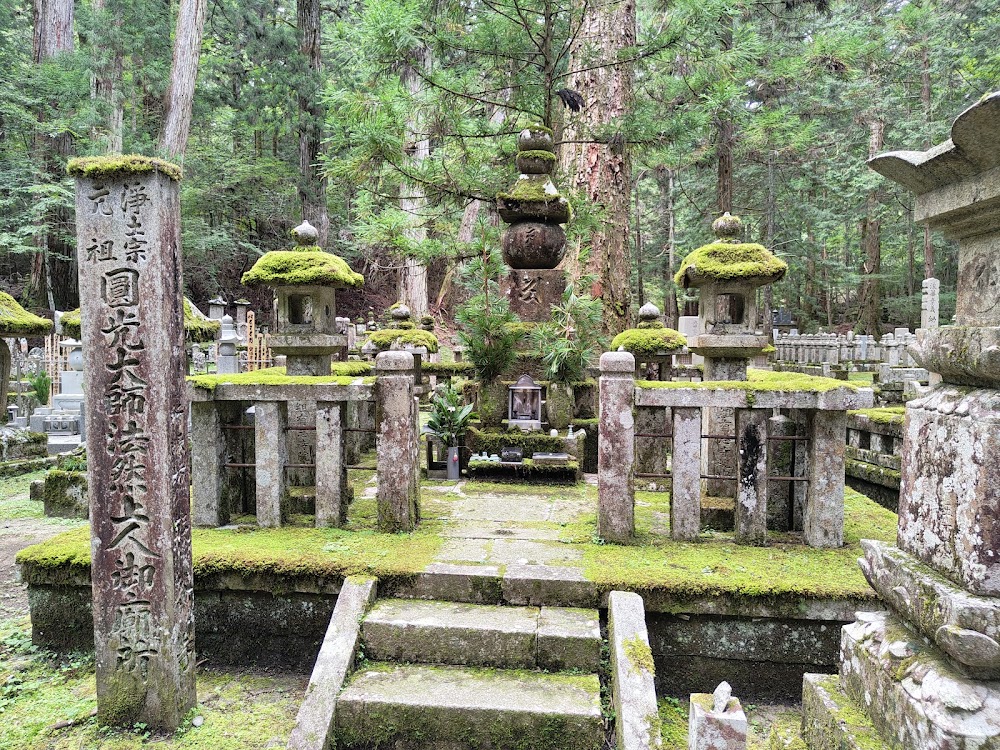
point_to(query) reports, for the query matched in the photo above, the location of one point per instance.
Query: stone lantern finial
(305, 234)
(728, 228)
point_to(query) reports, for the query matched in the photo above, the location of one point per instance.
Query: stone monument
(129, 243)
(926, 672)
(930, 302)
(728, 273)
(535, 242)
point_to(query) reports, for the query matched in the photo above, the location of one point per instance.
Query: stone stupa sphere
(728, 227)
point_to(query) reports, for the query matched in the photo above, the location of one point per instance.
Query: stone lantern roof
(729, 260)
(16, 321)
(306, 264)
(198, 327)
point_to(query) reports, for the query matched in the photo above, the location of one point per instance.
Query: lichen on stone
(16, 321)
(388, 337)
(648, 340)
(303, 266)
(725, 261)
(639, 654)
(97, 167)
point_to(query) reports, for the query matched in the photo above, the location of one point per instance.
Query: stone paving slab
(384, 704)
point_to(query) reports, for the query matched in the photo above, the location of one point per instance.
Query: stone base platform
(832, 721)
(911, 693)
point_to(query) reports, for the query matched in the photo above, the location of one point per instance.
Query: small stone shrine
(535, 242)
(129, 240)
(728, 273)
(927, 672)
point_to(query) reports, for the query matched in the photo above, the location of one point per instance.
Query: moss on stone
(447, 368)
(104, 167)
(723, 261)
(522, 328)
(70, 324)
(639, 654)
(16, 321)
(354, 369)
(271, 376)
(532, 187)
(539, 154)
(388, 337)
(304, 266)
(648, 340)
(539, 128)
(883, 414)
(760, 381)
(650, 324)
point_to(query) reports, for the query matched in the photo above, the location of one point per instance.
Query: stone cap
(612, 362)
(971, 150)
(394, 361)
(121, 167)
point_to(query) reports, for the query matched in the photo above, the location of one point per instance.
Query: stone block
(548, 585)
(913, 696)
(632, 671)
(616, 448)
(568, 638)
(532, 292)
(832, 721)
(716, 721)
(948, 513)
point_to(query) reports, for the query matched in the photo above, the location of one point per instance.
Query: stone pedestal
(616, 449)
(129, 240)
(532, 292)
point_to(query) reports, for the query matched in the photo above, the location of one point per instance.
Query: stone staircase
(470, 675)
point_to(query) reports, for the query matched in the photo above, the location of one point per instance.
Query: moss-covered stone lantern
(651, 342)
(728, 273)
(15, 321)
(304, 279)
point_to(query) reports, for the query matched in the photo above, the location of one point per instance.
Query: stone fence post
(129, 241)
(616, 448)
(396, 442)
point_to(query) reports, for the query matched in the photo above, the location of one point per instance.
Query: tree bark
(665, 180)
(53, 273)
(179, 101)
(412, 198)
(312, 182)
(601, 171)
(725, 138)
(925, 98)
(869, 295)
(108, 79)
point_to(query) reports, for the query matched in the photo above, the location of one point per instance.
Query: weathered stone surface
(396, 442)
(717, 721)
(439, 632)
(314, 723)
(208, 454)
(832, 721)
(911, 693)
(548, 585)
(480, 584)
(128, 233)
(751, 473)
(331, 466)
(616, 448)
(839, 398)
(633, 690)
(417, 706)
(532, 292)
(685, 499)
(948, 512)
(965, 355)
(569, 638)
(823, 520)
(270, 457)
(651, 453)
(930, 303)
(965, 626)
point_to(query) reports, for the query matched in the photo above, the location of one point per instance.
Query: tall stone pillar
(331, 468)
(396, 443)
(930, 303)
(208, 451)
(270, 456)
(751, 476)
(616, 448)
(129, 244)
(823, 521)
(685, 470)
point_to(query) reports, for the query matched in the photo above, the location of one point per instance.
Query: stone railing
(816, 431)
(874, 447)
(835, 349)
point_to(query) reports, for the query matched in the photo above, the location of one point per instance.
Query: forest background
(391, 125)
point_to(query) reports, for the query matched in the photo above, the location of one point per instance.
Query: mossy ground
(40, 692)
(883, 414)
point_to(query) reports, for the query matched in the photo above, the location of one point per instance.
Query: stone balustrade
(874, 447)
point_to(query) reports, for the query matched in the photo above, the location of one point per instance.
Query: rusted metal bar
(239, 466)
(717, 476)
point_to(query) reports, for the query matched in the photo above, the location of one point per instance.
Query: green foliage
(41, 384)
(571, 338)
(449, 419)
(486, 318)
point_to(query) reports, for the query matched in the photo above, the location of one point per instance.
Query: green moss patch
(715, 565)
(447, 368)
(198, 328)
(639, 654)
(16, 321)
(302, 267)
(351, 368)
(883, 415)
(271, 376)
(538, 154)
(724, 261)
(388, 337)
(533, 187)
(105, 167)
(648, 340)
(761, 381)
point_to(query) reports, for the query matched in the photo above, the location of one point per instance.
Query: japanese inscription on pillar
(128, 232)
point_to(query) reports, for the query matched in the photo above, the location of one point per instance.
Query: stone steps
(422, 706)
(831, 720)
(440, 632)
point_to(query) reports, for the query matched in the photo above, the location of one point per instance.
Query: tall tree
(412, 196)
(179, 101)
(312, 113)
(594, 155)
(870, 295)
